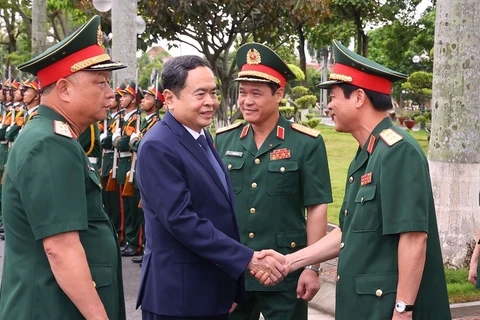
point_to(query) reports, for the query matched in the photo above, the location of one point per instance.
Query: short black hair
(380, 101)
(175, 71)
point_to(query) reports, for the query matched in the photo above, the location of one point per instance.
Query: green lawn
(459, 289)
(341, 148)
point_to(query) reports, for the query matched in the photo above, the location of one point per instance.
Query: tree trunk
(301, 52)
(455, 143)
(39, 27)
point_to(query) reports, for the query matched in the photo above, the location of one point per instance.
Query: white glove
(117, 134)
(133, 136)
(8, 128)
(103, 135)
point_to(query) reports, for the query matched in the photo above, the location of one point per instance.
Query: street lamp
(416, 59)
(140, 25)
(102, 5)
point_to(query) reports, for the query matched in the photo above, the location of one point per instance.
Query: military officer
(111, 192)
(62, 258)
(278, 169)
(121, 139)
(152, 101)
(390, 263)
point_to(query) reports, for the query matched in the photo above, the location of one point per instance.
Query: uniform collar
(50, 113)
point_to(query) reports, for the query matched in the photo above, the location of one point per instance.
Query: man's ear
(169, 98)
(361, 98)
(279, 94)
(63, 87)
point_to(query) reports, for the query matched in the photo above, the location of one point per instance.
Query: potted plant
(409, 120)
(401, 117)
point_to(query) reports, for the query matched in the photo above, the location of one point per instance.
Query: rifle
(112, 175)
(129, 188)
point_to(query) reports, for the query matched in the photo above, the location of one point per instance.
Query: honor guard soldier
(90, 142)
(129, 102)
(389, 258)
(62, 259)
(17, 119)
(6, 121)
(111, 192)
(278, 169)
(31, 98)
(151, 104)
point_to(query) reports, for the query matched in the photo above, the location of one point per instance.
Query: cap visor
(253, 80)
(105, 65)
(328, 84)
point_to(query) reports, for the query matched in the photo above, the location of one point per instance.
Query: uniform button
(293, 244)
(346, 212)
(251, 235)
(350, 179)
(342, 245)
(338, 278)
(94, 284)
(361, 199)
(257, 161)
(282, 169)
(252, 210)
(229, 167)
(254, 185)
(379, 293)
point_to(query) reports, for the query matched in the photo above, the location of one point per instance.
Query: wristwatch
(402, 307)
(317, 270)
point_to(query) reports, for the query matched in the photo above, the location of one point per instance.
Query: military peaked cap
(32, 83)
(82, 50)
(259, 63)
(156, 92)
(359, 71)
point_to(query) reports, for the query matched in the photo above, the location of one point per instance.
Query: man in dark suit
(193, 265)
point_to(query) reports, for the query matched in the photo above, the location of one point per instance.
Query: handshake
(269, 267)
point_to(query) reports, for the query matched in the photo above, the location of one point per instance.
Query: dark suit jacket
(194, 263)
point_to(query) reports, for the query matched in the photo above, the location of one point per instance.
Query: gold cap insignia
(253, 57)
(99, 36)
(340, 77)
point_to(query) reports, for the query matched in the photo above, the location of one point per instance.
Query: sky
(185, 49)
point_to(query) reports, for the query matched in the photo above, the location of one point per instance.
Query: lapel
(367, 150)
(186, 139)
(271, 142)
(246, 139)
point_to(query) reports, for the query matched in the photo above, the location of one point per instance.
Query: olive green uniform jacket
(50, 188)
(388, 192)
(273, 186)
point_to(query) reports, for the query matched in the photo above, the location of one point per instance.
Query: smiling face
(197, 102)
(343, 109)
(257, 102)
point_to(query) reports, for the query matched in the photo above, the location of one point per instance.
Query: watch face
(400, 306)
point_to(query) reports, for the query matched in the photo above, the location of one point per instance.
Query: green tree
(419, 87)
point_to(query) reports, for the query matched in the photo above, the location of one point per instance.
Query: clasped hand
(268, 267)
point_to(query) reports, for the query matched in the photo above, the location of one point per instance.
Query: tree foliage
(419, 86)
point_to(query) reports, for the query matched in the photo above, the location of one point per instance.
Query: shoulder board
(228, 128)
(305, 130)
(62, 129)
(390, 137)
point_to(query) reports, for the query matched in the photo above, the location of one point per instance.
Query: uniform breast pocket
(234, 167)
(283, 177)
(366, 216)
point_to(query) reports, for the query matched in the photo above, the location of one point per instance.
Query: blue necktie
(206, 148)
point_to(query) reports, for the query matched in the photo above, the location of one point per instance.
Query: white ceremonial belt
(93, 160)
(109, 151)
(125, 154)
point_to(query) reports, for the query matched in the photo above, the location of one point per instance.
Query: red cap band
(262, 71)
(361, 79)
(63, 68)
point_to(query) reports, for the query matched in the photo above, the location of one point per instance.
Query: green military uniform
(273, 185)
(388, 192)
(50, 188)
(131, 208)
(90, 142)
(12, 131)
(111, 199)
